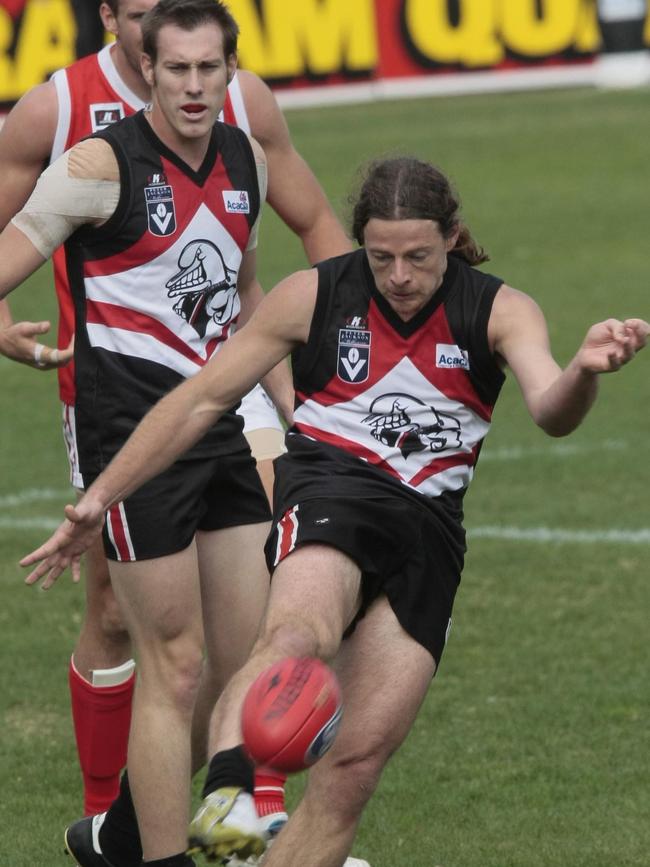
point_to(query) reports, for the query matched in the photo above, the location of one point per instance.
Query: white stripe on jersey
(238, 106)
(142, 289)
(407, 422)
(107, 66)
(145, 346)
(60, 81)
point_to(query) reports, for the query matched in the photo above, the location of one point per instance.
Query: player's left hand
(19, 342)
(611, 344)
(65, 546)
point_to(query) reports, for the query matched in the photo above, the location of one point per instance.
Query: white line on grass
(34, 495)
(551, 534)
(556, 450)
(543, 535)
(37, 523)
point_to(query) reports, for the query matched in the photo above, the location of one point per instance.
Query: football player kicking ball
(399, 354)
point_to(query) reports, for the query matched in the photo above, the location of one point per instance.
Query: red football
(291, 714)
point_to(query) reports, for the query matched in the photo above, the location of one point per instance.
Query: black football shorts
(162, 516)
(401, 546)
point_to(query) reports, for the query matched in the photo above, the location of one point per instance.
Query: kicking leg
(385, 675)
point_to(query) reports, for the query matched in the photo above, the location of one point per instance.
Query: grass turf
(533, 744)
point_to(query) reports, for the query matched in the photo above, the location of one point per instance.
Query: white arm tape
(60, 204)
(262, 181)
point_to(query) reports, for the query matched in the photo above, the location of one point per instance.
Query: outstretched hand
(611, 344)
(65, 546)
(18, 342)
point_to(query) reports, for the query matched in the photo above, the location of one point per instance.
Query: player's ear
(146, 66)
(451, 239)
(108, 18)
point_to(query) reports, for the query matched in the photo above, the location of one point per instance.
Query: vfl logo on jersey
(392, 421)
(103, 114)
(236, 201)
(354, 355)
(159, 197)
(451, 356)
(204, 285)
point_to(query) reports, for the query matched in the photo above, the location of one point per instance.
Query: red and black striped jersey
(91, 96)
(155, 287)
(413, 399)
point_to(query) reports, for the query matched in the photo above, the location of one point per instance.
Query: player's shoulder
(93, 158)
(32, 121)
(252, 86)
(264, 115)
(37, 100)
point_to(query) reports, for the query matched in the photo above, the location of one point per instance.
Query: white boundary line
(441, 84)
(545, 535)
(35, 495)
(540, 535)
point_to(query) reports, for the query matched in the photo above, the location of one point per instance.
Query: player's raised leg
(385, 675)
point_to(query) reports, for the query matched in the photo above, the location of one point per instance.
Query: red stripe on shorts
(287, 532)
(118, 531)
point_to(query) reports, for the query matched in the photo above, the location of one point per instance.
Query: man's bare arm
(26, 140)
(180, 419)
(293, 192)
(558, 400)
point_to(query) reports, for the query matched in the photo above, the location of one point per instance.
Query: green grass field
(532, 749)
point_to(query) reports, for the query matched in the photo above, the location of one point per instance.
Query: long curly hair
(407, 188)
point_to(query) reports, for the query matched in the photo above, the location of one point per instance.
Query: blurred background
(317, 51)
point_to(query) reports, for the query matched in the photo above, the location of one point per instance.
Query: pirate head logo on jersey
(392, 419)
(205, 287)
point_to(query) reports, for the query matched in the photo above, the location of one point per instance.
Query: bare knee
(346, 779)
(103, 613)
(170, 672)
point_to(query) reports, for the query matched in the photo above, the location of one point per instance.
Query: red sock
(269, 791)
(101, 716)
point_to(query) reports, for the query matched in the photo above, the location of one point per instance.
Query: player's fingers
(36, 574)
(51, 577)
(639, 331)
(75, 566)
(64, 356)
(40, 554)
(30, 329)
(47, 358)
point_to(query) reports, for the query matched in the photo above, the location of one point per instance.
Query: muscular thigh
(234, 590)
(160, 597)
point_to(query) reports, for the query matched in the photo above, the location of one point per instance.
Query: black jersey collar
(198, 177)
(405, 329)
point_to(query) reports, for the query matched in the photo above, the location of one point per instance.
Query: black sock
(180, 860)
(230, 768)
(119, 836)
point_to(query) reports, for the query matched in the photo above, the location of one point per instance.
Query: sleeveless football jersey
(413, 399)
(91, 96)
(154, 288)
